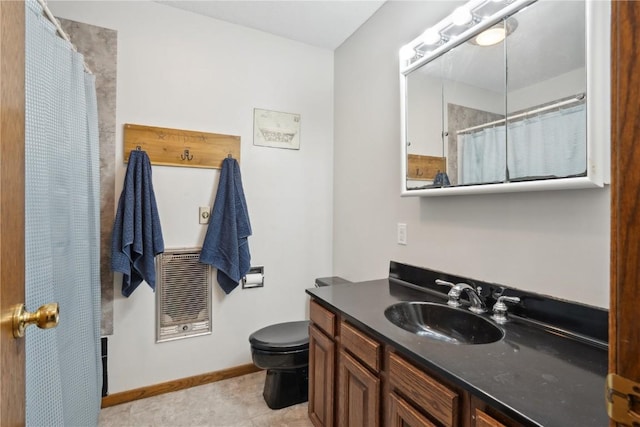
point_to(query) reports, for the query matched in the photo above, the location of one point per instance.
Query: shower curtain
(548, 145)
(63, 373)
(483, 156)
(552, 144)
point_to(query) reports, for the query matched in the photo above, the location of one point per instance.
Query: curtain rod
(573, 100)
(60, 31)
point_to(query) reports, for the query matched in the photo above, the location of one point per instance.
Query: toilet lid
(282, 336)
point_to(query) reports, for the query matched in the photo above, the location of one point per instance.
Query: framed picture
(276, 129)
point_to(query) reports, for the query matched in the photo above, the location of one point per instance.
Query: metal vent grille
(183, 295)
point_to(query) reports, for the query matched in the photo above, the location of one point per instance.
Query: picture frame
(276, 129)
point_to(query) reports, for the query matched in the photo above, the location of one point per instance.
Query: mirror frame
(598, 83)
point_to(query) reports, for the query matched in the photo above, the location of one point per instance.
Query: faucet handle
(500, 308)
(501, 299)
(444, 283)
(454, 293)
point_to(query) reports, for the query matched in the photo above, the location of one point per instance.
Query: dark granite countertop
(534, 375)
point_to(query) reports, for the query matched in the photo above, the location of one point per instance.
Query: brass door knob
(47, 316)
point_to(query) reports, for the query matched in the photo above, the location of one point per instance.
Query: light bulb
(407, 52)
(430, 37)
(491, 36)
(461, 16)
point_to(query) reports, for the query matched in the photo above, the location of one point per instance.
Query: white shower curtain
(483, 156)
(63, 373)
(552, 144)
(548, 145)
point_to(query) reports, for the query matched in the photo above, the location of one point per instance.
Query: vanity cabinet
(322, 362)
(358, 381)
(354, 381)
(485, 420)
(402, 414)
(484, 415)
(429, 396)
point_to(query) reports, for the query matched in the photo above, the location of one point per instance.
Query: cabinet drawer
(402, 414)
(323, 318)
(360, 345)
(436, 399)
(485, 420)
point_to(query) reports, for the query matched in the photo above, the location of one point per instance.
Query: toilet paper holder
(254, 278)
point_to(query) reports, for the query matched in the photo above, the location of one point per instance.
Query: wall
(179, 70)
(99, 47)
(553, 242)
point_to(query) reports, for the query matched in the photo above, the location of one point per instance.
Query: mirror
(510, 115)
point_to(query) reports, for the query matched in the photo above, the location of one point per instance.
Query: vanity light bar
(470, 21)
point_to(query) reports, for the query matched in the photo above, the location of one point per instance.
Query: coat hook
(138, 148)
(229, 156)
(418, 172)
(186, 155)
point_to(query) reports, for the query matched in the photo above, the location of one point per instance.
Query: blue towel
(225, 245)
(137, 235)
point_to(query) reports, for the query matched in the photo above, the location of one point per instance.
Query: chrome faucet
(477, 305)
(500, 308)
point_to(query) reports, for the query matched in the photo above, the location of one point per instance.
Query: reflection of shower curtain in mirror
(483, 156)
(552, 144)
(548, 145)
(63, 374)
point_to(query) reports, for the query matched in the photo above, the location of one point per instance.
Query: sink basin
(443, 323)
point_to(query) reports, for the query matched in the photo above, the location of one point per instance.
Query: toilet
(283, 350)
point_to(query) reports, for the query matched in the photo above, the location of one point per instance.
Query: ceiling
(321, 23)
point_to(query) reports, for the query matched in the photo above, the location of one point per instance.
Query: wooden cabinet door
(358, 394)
(321, 378)
(402, 414)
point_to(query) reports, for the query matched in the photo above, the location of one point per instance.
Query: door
(321, 364)
(624, 328)
(358, 394)
(12, 353)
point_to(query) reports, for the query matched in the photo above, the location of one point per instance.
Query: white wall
(562, 86)
(180, 70)
(554, 242)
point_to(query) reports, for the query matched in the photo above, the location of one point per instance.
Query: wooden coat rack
(176, 147)
(424, 168)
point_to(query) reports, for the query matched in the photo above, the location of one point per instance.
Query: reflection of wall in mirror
(562, 86)
(424, 115)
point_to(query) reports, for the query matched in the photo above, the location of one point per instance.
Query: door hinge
(623, 400)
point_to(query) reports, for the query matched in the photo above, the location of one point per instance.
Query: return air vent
(183, 295)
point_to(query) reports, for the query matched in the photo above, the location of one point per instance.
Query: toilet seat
(283, 351)
(282, 337)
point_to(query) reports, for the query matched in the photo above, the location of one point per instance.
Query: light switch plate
(402, 234)
(204, 214)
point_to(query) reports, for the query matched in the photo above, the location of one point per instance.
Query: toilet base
(284, 388)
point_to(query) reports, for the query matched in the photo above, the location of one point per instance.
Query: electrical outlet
(204, 214)
(402, 234)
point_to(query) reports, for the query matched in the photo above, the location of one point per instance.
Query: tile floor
(236, 402)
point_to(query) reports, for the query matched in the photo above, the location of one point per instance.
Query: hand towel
(137, 234)
(226, 246)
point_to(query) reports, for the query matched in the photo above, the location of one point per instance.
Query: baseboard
(175, 385)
